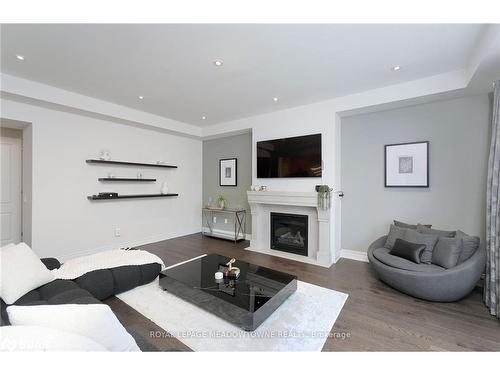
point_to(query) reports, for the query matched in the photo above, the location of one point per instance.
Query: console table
(239, 223)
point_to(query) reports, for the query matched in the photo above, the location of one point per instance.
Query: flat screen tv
(289, 157)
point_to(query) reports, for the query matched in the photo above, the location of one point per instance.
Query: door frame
(26, 174)
(17, 195)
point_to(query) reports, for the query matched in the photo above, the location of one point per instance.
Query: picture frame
(406, 165)
(228, 172)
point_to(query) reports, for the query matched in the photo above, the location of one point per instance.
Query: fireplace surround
(321, 241)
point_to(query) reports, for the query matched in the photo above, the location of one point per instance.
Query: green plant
(221, 201)
(324, 197)
(324, 189)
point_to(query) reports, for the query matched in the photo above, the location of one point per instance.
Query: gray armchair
(430, 282)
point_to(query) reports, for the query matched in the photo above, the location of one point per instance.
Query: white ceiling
(172, 65)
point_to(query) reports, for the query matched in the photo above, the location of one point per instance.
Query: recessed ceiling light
(395, 68)
(275, 98)
(141, 97)
(203, 117)
(19, 57)
(218, 62)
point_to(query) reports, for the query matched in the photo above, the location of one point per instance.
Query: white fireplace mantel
(263, 202)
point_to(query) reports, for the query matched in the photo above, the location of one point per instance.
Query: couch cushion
(470, 244)
(29, 297)
(394, 233)
(402, 224)
(407, 250)
(438, 232)
(149, 272)
(87, 289)
(4, 318)
(95, 321)
(87, 300)
(126, 278)
(69, 296)
(446, 252)
(56, 292)
(429, 240)
(105, 283)
(56, 287)
(99, 283)
(382, 255)
(21, 271)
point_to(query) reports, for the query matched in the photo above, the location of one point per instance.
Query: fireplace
(289, 233)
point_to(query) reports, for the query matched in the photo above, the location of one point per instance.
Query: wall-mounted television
(289, 157)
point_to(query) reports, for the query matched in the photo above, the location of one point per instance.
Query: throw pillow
(21, 271)
(94, 321)
(394, 233)
(470, 244)
(407, 250)
(409, 226)
(447, 252)
(35, 338)
(429, 240)
(440, 233)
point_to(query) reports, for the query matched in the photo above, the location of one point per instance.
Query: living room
(250, 187)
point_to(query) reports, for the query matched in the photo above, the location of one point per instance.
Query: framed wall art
(228, 172)
(407, 164)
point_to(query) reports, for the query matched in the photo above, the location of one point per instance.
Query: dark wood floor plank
(374, 318)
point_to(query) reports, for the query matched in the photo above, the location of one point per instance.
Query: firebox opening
(289, 233)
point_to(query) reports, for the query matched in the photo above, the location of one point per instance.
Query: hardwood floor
(374, 318)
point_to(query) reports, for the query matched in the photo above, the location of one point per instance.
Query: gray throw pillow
(447, 251)
(440, 233)
(469, 245)
(394, 233)
(407, 250)
(429, 240)
(402, 224)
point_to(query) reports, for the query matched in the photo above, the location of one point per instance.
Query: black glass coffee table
(245, 302)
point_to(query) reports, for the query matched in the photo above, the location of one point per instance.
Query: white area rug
(302, 323)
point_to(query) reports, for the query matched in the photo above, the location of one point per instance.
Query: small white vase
(164, 188)
(105, 155)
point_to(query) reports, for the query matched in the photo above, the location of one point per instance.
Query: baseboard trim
(227, 234)
(360, 256)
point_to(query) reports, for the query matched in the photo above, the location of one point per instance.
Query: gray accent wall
(458, 131)
(237, 146)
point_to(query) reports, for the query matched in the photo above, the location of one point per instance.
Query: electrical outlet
(118, 232)
(225, 221)
(215, 219)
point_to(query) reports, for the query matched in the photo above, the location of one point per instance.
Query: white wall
(65, 223)
(311, 119)
(307, 119)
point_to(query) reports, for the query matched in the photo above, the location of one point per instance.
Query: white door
(10, 193)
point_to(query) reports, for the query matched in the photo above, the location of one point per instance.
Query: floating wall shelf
(127, 179)
(99, 161)
(98, 198)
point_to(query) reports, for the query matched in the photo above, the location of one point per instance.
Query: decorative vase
(222, 204)
(164, 188)
(105, 155)
(324, 201)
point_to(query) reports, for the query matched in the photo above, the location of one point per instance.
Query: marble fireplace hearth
(263, 203)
